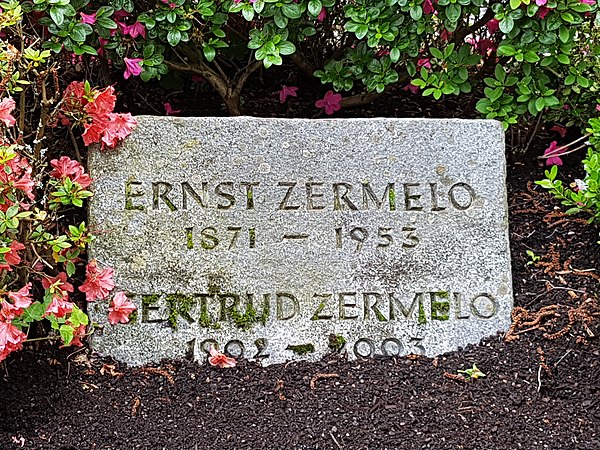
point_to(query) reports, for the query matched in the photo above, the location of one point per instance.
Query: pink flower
(169, 111)
(133, 67)
(493, 25)
(90, 19)
(219, 359)
(428, 7)
(11, 339)
(287, 91)
(63, 167)
(6, 107)
(559, 129)
(22, 298)
(120, 309)
(330, 103)
(98, 283)
(66, 167)
(411, 88)
(543, 12)
(322, 15)
(135, 30)
(118, 128)
(59, 307)
(552, 150)
(424, 62)
(597, 107)
(78, 333)
(541, 2)
(589, 2)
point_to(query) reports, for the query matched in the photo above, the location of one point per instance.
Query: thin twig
(555, 152)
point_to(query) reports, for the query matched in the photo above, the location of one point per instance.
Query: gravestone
(278, 239)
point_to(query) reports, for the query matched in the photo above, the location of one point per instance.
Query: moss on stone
(336, 342)
(301, 349)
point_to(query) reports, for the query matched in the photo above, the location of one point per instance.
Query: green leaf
(453, 11)
(174, 37)
(436, 53)
(416, 12)
(66, 333)
(70, 268)
(286, 48)
(210, 53)
(514, 4)
(500, 73)
(394, 55)
(540, 104)
(506, 25)
(57, 15)
(564, 34)
(563, 59)
(291, 10)
(314, 7)
(107, 23)
(248, 12)
(361, 31)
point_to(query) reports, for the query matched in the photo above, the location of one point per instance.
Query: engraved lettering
(410, 197)
(322, 305)
(261, 345)
(186, 190)
(180, 306)
(369, 306)
(226, 195)
(459, 308)
(311, 195)
(160, 190)
(364, 348)
(344, 303)
(148, 302)
(284, 203)
(249, 192)
(434, 198)
(417, 303)
(225, 306)
(392, 347)
(440, 306)
(209, 238)
(368, 193)
(235, 349)
(338, 196)
(484, 306)
(413, 240)
(130, 194)
(464, 204)
(283, 313)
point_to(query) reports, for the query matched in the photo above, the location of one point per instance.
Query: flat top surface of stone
(288, 238)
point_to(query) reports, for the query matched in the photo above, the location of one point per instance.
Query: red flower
(217, 358)
(98, 283)
(58, 285)
(120, 309)
(102, 105)
(553, 150)
(287, 91)
(12, 258)
(93, 132)
(133, 67)
(330, 103)
(63, 167)
(59, 307)
(559, 129)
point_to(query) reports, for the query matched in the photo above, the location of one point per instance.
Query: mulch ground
(541, 389)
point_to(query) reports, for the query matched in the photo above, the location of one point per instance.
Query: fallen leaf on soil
(319, 376)
(110, 369)
(455, 377)
(157, 371)
(135, 406)
(278, 387)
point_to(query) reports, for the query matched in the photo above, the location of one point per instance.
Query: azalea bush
(516, 59)
(582, 195)
(41, 242)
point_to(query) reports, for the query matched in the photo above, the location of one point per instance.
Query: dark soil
(540, 391)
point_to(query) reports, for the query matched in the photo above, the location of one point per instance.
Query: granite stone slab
(278, 239)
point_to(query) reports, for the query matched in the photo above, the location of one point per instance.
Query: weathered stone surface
(266, 236)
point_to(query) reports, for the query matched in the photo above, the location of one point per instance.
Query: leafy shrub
(41, 243)
(518, 59)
